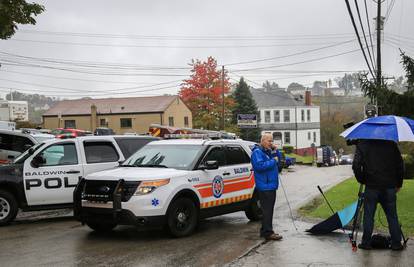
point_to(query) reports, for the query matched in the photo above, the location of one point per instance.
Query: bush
(409, 166)
(288, 149)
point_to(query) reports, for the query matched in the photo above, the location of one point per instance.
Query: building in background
(123, 115)
(14, 110)
(292, 121)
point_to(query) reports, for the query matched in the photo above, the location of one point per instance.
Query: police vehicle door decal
(57, 169)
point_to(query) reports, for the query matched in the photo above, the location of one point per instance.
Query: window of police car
(99, 152)
(59, 154)
(180, 157)
(216, 153)
(236, 155)
(129, 146)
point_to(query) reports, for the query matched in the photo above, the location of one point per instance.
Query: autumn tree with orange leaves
(203, 94)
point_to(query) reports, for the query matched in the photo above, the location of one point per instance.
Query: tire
(253, 211)
(8, 207)
(182, 217)
(101, 227)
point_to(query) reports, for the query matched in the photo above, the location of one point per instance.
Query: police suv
(45, 176)
(171, 183)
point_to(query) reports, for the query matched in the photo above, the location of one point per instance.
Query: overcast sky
(103, 48)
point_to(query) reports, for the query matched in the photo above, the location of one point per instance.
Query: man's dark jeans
(387, 198)
(267, 203)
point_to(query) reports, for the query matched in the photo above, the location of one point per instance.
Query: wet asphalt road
(48, 240)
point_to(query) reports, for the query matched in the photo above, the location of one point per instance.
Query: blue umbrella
(389, 127)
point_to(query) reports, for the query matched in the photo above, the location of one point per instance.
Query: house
(14, 110)
(130, 114)
(292, 121)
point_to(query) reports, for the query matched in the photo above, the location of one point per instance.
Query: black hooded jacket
(378, 164)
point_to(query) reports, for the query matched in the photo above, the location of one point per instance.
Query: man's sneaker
(397, 247)
(274, 236)
(364, 246)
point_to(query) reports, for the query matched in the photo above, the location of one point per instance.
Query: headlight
(147, 187)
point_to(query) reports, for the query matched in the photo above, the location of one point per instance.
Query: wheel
(101, 227)
(254, 211)
(8, 207)
(182, 217)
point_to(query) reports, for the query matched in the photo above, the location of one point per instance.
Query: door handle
(72, 171)
(226, 173)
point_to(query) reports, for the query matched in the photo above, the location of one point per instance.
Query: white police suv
(173, 183)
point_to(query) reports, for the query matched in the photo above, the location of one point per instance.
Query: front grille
(101, 190)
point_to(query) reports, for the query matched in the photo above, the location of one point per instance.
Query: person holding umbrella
(379, 166)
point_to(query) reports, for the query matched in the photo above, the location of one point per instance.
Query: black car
(103, 131)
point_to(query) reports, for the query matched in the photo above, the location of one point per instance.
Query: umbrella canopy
(336, 221)
(390, 127)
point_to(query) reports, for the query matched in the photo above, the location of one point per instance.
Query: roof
(151, 104)
(274, 98)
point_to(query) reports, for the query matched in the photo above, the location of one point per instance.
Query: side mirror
(120, 162)
(38, 161)
(211, 165)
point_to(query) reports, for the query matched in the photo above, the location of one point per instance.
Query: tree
(245, 104)
(295, 86)
(270, 86)
(203, 94)
(13, 12)
(349, 82)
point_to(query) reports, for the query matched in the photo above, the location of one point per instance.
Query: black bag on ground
(379, 241)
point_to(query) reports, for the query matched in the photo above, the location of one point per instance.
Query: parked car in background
(13, 143)
(325, 156)
(67, 133)
(346, 159)
(103, 131)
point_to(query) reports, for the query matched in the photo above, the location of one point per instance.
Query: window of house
(276, 116)
(287, 137)
(171, 121)
(126, 123)
(186, 121)
(303, 114)
(314, 137)
(309, 135)
(286, 116)
(70, 124)
(267, 116)
(103, 123)
(308, 114)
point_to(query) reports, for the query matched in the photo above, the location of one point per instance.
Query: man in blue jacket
(266, 174)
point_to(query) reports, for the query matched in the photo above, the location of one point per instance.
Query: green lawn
(301, 159)
(346, 192)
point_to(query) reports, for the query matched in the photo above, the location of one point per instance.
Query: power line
(357, 34)
(290, 55)
(192, 37)
(363, 33)
(369, 30)
(164, 46)
(297, 63)
(71, 79)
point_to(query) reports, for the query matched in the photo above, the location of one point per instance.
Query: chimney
(94, 117)
(308, 98)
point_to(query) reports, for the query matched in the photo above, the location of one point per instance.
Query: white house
(292, 121)
(14, 110)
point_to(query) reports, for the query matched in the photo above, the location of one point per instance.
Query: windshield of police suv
(180, 157)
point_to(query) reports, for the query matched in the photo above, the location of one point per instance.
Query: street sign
(247, 120)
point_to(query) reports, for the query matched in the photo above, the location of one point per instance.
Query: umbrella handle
(327, 202)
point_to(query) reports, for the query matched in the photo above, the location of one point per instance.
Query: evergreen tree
(245, 104)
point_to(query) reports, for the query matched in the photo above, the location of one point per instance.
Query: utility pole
(222, 96)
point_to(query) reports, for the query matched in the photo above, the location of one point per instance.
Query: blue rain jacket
(266, 168)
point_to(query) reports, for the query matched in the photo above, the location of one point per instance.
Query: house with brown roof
(129, 114)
